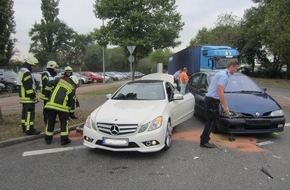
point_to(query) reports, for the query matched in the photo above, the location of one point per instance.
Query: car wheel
(168, 136)
(94, 80)
(9, 88)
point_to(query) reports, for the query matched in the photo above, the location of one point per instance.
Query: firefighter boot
(64, 140)
(32, 131)
(48, 139)
(72, 116)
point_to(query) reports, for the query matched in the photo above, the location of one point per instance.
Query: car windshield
(141, 91)
(241, 83)
(10, 75)
(222, 62)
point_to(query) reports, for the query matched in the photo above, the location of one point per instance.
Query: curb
(33, 137)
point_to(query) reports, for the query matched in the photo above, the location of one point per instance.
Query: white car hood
(129, 112)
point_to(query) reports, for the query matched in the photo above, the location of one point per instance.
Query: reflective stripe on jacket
(27, 93)
(45, 78)
(62, 96)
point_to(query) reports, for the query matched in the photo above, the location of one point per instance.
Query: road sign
(131, 59)
(131, 49)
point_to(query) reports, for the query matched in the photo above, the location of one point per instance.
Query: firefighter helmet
(31, 60)
(51, 65)
(68, 69)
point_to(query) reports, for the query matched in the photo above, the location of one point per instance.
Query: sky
(78, 14)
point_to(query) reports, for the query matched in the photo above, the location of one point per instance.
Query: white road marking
(49, 151)
(287, 124)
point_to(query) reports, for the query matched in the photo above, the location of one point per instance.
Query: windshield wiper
(244, 91)
(250, 91)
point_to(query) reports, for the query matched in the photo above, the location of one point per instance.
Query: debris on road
(265, 171)
(264, 143)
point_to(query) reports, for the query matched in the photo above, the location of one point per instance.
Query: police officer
(59, 103)
(27, 96)
(214, 97)
(47, 76)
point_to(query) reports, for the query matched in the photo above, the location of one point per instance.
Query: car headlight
(230, 114)
(144, 127)
(88, 121)
(277, 113)
(154, 124)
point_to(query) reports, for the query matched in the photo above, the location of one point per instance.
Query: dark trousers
(212, 112)
(28, 116)
(63, 119)
(45, 112)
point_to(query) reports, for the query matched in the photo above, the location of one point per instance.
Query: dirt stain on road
(243, 144)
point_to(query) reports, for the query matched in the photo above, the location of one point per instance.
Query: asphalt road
(35, 165)
(234, 165)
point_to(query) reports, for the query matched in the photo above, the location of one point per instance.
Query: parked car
(139, 116)
(112, 76)
(9, 79)
(107, 78)
(82, 78)
(252, 110)
(93, 76)
(2, 87)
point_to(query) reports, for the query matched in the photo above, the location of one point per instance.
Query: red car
(93, 76)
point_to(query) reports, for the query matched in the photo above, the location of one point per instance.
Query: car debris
(265, 171)
(264, 143)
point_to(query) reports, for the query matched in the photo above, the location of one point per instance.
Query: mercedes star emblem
(114, 130)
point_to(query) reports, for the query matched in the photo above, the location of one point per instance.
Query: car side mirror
(178, 97)
(108, 96)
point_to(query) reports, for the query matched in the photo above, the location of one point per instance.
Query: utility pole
(104, 79)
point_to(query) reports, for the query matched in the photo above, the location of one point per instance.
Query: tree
(52, 38)
(160, 56)
(93, 57)
(266, 34)
(117, 60)
(225, 32)
(151, 24)
(277, 26)
(7, 27)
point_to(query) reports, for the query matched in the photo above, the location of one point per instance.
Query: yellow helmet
(75, 79)
(51, 65)
(31, 60)
(68, 69)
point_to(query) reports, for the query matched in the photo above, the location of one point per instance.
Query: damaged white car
(139, 116)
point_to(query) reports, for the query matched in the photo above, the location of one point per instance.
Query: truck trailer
(202, 57)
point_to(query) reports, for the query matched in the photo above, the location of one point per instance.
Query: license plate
(115, 142)
(258, 122)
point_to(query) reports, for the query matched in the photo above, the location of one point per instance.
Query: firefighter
(59, 103)
(27, 96)
(68, 71)
(47, 76)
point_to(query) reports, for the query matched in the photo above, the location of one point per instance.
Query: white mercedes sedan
(139, 116)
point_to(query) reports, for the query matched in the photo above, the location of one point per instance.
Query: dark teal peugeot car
(252, 110)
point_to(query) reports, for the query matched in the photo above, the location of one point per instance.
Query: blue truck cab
(200, 58)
